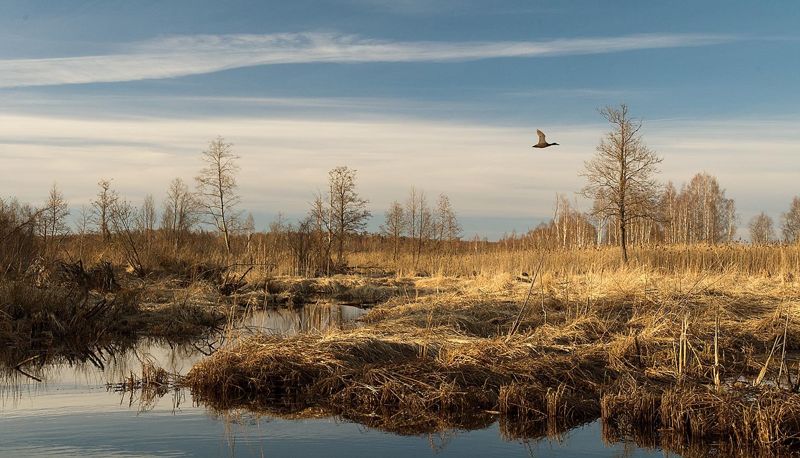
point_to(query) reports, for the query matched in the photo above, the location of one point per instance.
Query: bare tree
(180, 211)
(321, 220)
(102, 204)
(124, 219)
(343, 212)
(602, 218)
(394, 225)
(447, 227)
(790, 222)
(276, 241)
(301, 244)
(147, 217)
(761, 229)
(420, 220)
(53, 220)
(216, 187)
(622, 171)
(730, 217)
(249, 228)
(82, 224)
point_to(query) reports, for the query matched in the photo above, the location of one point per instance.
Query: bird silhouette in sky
(542, 141)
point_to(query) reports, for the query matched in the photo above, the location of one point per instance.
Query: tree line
(629, 207)
(317, 243)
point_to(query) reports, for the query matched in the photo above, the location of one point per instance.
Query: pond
(71, 413)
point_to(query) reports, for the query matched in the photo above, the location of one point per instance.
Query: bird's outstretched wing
(541, 136)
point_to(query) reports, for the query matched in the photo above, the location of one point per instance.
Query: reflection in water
(118, 361)
(312, 317)
(72, 414)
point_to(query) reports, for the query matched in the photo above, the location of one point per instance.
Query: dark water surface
(73, 414)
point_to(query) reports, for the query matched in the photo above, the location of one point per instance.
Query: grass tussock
(360, 374)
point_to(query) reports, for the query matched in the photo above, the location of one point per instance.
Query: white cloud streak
(198, 54)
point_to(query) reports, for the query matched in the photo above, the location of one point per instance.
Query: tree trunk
(623, 237)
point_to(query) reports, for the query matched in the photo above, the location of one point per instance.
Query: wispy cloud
(198, 54)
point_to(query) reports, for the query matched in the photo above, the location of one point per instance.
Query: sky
(443, 95)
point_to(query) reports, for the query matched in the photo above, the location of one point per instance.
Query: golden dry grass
(267, 255)
(459, 337)
(547, 355)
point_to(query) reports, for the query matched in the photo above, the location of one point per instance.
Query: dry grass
(545, 358)
(359, 375)
(148, 388)
(469, 337)
(45, 325)
(202, 256)
(491, 259)
(754, 420)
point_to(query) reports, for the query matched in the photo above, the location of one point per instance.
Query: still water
(73, 414)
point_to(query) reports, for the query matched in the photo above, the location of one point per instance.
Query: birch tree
(179, 213)
(623, 172)
(102, 205)
(54, 217)
(447, 227)
(217, 188)
(147, 217)
(394, 225)
(762, 231)
(341, 212)
(419, 220)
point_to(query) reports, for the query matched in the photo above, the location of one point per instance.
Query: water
(73, 414)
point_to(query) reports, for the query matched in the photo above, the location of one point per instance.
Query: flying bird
(542, 141)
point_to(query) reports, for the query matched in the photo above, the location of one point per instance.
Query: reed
(269, 254)
(763, 419)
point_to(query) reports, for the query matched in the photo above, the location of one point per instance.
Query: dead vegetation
(543, 349)
(147, 389)
(754, 420)
(77, 315)
(702, 357)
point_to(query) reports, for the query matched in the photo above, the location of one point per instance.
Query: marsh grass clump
(541, 403)
(358, 374)
(661, 358)
(274, 367)
(757, 418)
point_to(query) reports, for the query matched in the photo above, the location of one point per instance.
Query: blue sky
(443, 95)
